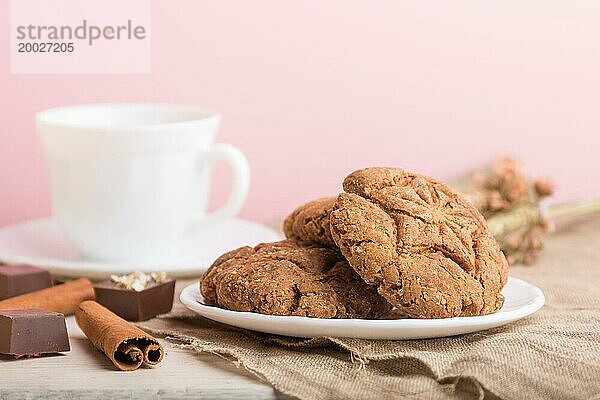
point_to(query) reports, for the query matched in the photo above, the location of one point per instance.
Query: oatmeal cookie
(310, 222)
(288, 278)
(426, 249)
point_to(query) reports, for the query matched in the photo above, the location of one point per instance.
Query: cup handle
(240, 180)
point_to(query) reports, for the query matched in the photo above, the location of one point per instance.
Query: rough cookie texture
(427, 249)
(288, 278)
(310, 222)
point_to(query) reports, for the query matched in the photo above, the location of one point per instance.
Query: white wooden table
(85, 373)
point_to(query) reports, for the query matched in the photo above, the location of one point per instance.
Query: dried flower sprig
(511, 204)
(504, 186)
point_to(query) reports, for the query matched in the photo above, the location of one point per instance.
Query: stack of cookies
(393, 239)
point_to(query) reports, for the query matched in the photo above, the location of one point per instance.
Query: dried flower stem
(575, 209)
(505, 222)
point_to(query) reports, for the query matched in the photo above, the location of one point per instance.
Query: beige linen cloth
(554, 354)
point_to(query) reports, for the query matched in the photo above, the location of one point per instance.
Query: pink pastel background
(311, 90)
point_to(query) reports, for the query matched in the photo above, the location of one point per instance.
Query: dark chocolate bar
(21, 279)
(131, 305)
(32, 333)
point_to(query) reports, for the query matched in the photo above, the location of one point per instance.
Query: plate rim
(190, 294)
(89, 268)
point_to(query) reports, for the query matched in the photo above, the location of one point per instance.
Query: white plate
(521, 300)
(41, 243)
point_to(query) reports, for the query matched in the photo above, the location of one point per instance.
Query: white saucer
(41, 243)
(521, 300)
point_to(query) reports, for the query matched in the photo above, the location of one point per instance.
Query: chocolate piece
(32, 333)
(132, 305)
(20, 279)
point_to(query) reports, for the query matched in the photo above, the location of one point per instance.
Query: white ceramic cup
(130, 182)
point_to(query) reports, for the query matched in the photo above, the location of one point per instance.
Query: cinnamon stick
(127, 346)
(62, 298)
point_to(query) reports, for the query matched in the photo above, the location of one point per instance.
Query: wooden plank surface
(85, 373)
